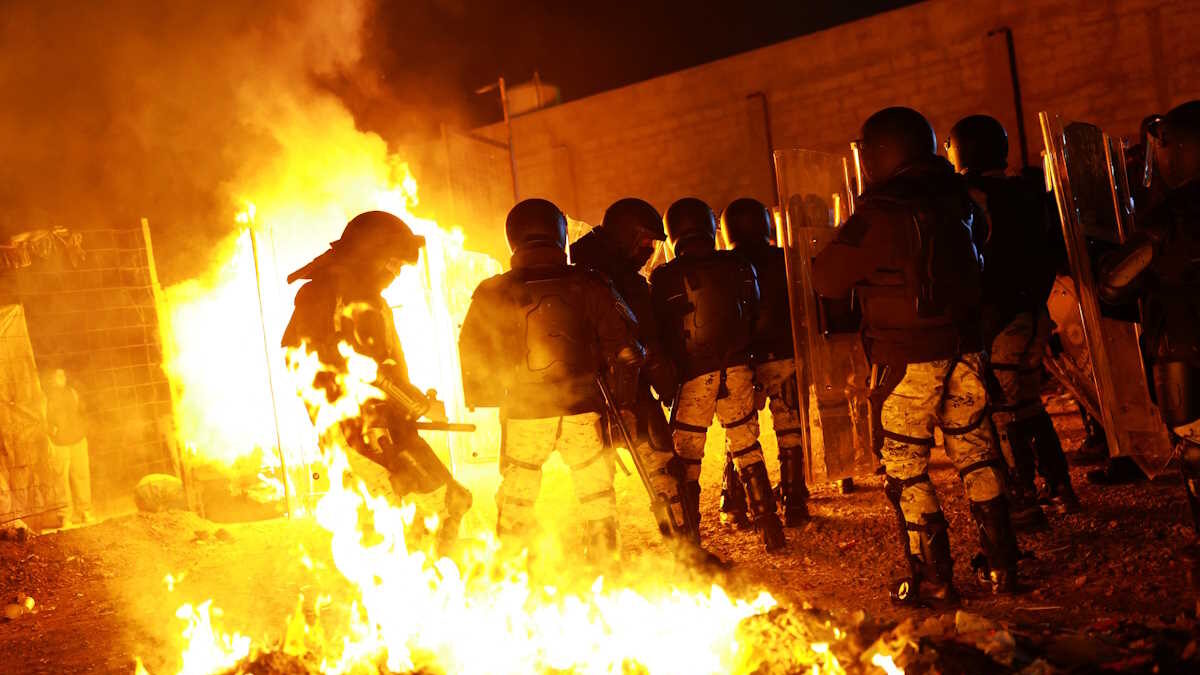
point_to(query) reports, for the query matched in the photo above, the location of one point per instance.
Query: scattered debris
(22, 605)
(159, 492)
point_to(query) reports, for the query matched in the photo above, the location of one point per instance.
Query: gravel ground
(1114, 576)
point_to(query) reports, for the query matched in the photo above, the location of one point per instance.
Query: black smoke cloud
(118, 110)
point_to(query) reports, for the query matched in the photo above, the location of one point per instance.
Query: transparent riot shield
(834, 375)
(1088, 176)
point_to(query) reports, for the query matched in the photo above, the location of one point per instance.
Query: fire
(411, 611)
(417, 612)
(234, 399)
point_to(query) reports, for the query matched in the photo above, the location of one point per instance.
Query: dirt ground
(1112, 583)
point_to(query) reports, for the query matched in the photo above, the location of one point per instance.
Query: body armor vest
(773, 329)
(558, 337)
(1172, 301)
(707, 303)
(530, 345)
(1019, 263)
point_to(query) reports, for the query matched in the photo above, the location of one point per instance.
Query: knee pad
(1189, 458)
(983, 481)
(893, 487)
(1177, 385)
(790, 393)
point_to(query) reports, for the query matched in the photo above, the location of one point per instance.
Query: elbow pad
(403, 393)
(1121, 271)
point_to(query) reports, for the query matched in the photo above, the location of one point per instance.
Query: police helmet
(379, 235)
(535, 222)
(690, 219)
(746, 221)
(980, 142)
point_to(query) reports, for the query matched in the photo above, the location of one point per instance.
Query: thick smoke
(123, 109)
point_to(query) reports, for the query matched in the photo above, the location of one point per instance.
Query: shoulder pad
(661, 271)
(492, 285)
(315, 292)
(588, 275)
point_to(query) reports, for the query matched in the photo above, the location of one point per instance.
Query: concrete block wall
(98, 322)
(701, 131)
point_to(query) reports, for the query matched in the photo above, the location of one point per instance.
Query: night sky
(441, 50)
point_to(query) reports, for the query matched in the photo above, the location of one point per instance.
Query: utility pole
(512, 158)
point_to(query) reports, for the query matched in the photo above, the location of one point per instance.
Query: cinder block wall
(703, 131)
(98, 322)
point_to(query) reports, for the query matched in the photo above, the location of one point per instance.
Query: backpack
(947, 273)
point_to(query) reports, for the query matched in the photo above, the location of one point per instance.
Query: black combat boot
(600, 541)
(931, 568)
(733, 498)
(1192, 485)
(997, 565)
(793, 492)
(1095, 445)
(457, 503)
(1027, 514)
(1052, 465)
(1189, 466)
(762, 506)
(691, 503)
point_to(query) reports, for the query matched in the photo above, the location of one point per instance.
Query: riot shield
(1071, 365)
(1088, 176)
(832, 367)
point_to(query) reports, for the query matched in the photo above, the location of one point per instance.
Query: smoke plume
(173, 111)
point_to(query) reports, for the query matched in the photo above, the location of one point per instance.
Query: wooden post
(178, 456)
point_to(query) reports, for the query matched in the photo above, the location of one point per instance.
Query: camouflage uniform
(533, 343)
(342, 303)
(1022, 255)
(707, 301)
(528, 443)
(748, 226)
(618, 249)
(1019, 416)
(1158, 265)
(927, 340)
(699, 400)
(948, 394)
(777, 380)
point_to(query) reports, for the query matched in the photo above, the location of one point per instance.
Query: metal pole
(512, 156)
(1016, 87)
(449, 173)
(179, 457)
(262, 317)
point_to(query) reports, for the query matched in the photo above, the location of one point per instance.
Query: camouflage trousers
(699, 399)
(777, 381)
(528, 443)
(1016, 366)
(951, 395)
(1189, 450)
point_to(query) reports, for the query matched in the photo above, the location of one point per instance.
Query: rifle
(445, 426)
(659, 505)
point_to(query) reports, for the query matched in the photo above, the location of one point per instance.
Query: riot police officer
(909, 254)
(1017, 281)
(342, 302)
(619, 248)
(706, 301)
(1158, 263)
(532, 344)
(747, 225)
